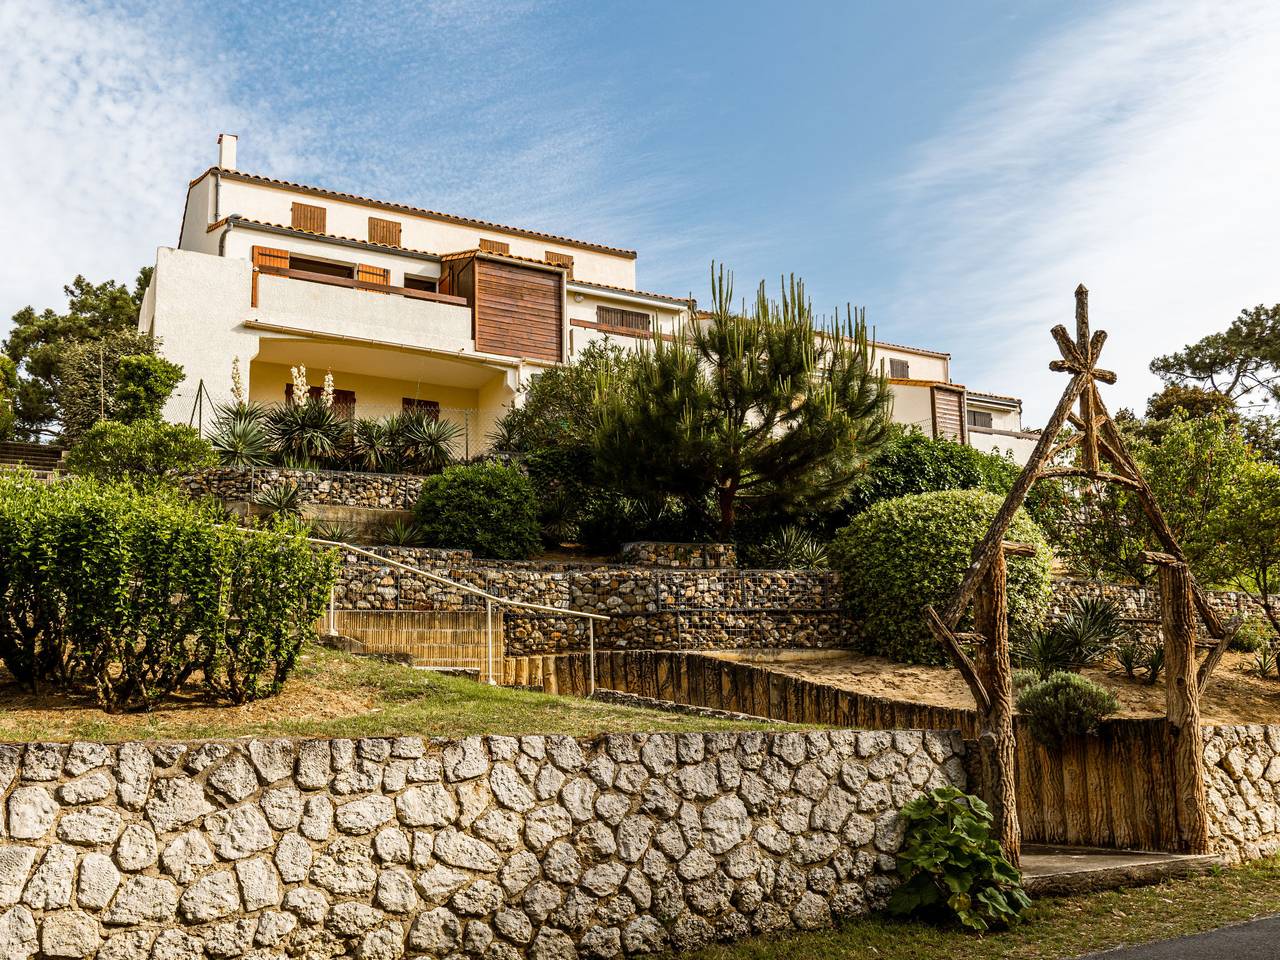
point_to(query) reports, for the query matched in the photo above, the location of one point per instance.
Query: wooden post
(996, 744)
(1182, 705)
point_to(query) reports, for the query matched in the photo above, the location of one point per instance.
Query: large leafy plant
(487, 508)
(141, 453)
(949, 861)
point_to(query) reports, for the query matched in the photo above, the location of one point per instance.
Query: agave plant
(1093, 623)
(374, 447)
(337, 531)
(426, 442)
(507, 435)
(794, 548)
(280, 498)
(240, 435)
(307, 430)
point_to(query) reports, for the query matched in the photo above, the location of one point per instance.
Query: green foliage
(399, 533)
(1091, 629)
(141, 453)
(282, 499)
(1238, 361)
(763, 408)
(1265, 662)
(1065, 705)
(144, 383)
(335, 531)
(1252, 636)
(88, 378)
(950, 863)
(1248, 527)
(307, 433)
(484, 507)
(8, 397)
(38, 343)
(902, 554)
(910, 463)
(1196, 403)
(791, 548)
(128, 596)
(240, 435)
(1141, 660)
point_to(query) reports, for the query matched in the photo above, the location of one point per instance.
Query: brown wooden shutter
(494, 246)
(379, 275)
(560, 260)
(619, 319)
(948, 416)
(384, 231)
(266, 260)
(899, 369)
(308, 217)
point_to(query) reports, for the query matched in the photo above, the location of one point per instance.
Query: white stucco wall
(921, 366)
(199, 213)
(242, 239)
(913, 406)
(348, 219)
(1018, 447)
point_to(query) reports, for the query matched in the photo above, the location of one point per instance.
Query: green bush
(127, 596)
(141, 453)
(905, 553)
(1065, 705)
(143, 385)
(487, 508)
(8, 397)
(1254, 634)
(950, 862)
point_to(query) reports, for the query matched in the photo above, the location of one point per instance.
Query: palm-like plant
(426, 442)
(282, 498)
(399, 533)
(794, 548)
(240, 435)
(309, 431)
(373, 446)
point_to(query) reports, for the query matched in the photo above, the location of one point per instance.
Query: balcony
(345, 307)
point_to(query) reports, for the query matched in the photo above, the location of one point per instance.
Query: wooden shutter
(980, 418)
(308, 217)
(948, 419)
(494, 246)
(384, 231)
(266, 260)
(560, 260)
(379, 275)
(899, 369)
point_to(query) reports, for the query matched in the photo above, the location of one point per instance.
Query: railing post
(488, 626)
(332, 627)
(591, 657)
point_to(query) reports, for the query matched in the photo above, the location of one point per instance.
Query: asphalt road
(1255, 940)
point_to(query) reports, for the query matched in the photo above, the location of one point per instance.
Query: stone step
(1051, 871)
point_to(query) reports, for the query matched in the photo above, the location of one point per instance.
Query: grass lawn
(1054, 929)
(340, 695)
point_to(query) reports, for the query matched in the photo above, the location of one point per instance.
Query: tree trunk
(996, 744)
(1182, 706)
(727, 492)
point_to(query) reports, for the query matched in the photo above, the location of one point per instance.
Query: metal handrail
(489, 598)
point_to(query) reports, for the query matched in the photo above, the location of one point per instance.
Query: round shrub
(1065, 705)
(902, 554)
(487, 508)
(141, 453)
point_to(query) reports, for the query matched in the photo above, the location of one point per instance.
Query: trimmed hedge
(904, 553)
(1065, 705)
(129, 596)
(487, 508)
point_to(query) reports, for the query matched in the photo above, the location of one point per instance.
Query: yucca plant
(1093, 623)
(794, 548)
(373, 446)
(338, 531)
(1264, 662)
(308, 430)
(280, 498)
(240, 435)
(426, 443)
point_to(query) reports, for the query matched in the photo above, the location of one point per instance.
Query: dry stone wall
(334, 488)
(1143, 603)
(649, 608)
(496, 847)
(1242, 780)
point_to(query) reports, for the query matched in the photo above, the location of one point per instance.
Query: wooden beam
(1067, 347)
(962, 661)
(1014, 549)
(1214, 656)
(987, 547)
(1098, 474)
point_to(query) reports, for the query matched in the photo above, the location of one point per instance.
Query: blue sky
(955, 167)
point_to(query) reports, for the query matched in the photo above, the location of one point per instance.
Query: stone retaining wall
(653, 553)
(540, 847)
(1144, 602)
(1242, 780)
(649, 608)
(336, 488)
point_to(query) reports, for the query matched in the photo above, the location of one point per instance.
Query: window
(560, 260)
(430, 407)
(344, 401)
(494, 246)
(384, 231)
(980, 419)
(622, 319)
(419, 283)
(899, 369)
(308, 217)
(322, 267)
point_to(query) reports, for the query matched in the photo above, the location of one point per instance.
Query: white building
(413, 308)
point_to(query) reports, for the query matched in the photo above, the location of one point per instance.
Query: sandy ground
(1233, 696)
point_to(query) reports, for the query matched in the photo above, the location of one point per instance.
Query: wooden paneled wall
(518, 310)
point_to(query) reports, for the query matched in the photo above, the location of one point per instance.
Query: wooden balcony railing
(354, 285)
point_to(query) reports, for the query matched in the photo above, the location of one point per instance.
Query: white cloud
(1135, 152)
(105, 119)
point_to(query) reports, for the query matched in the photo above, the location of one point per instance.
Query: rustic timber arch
(1103, 457)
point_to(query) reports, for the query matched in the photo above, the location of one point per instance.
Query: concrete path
(1255, 940)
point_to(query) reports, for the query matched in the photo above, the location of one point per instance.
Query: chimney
(227, 151)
